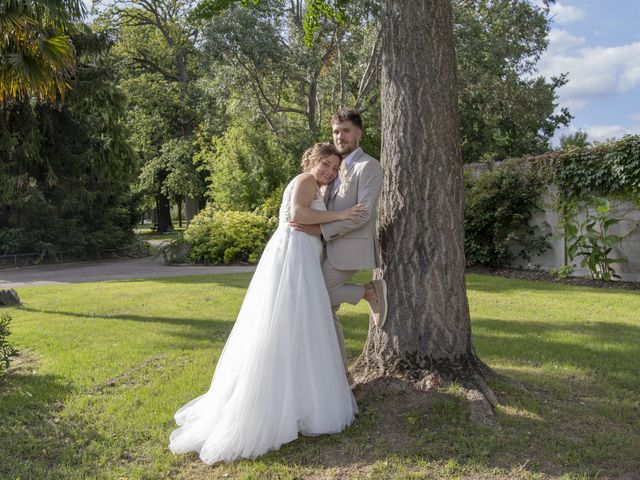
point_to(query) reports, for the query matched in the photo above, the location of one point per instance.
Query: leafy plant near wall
(499, 205)
(591, 239)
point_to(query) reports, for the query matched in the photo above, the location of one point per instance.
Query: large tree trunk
(164, 213)
(192, 207)
(427, 336)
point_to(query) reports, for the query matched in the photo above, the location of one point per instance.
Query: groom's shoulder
(369, 162)
(365, 158)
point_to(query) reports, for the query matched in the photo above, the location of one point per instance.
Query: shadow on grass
(603, 347)
(214, 329)
(35, 439)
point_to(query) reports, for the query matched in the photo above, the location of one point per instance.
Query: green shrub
(6, 350)
(498, 209)
(224, 237)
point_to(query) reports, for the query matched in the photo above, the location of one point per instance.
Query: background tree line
(169, 102)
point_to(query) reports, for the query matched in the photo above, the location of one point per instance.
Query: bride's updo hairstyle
(316, 153)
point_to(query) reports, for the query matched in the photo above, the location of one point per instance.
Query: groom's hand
(308, 229)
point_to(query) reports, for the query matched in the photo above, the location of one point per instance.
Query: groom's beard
(346, 151)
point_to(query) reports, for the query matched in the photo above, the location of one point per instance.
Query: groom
(349, 246)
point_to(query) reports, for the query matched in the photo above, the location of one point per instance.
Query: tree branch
(152, 66)
(370, 73)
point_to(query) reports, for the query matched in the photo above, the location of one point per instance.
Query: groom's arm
(369, 187)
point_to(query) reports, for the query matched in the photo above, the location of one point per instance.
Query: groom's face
(346, 137)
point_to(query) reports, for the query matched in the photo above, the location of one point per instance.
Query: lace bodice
(284, 215)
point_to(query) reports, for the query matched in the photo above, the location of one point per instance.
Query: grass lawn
(144, 232)
(104, 366)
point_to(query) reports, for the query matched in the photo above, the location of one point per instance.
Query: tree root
(482, 400)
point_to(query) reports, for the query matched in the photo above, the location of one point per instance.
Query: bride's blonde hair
(317, 152)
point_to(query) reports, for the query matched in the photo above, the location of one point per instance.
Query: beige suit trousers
(340, 292)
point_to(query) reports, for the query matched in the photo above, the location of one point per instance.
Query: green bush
(498, 209)
(224, 237)
(6, 350)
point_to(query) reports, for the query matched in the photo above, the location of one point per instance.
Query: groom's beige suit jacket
(354, 246)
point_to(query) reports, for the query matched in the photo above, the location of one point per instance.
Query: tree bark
(164, 212)
(427, 335)
(191, 206)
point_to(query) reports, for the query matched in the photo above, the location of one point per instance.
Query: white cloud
(631, 76)
(561, 41)
(594, 71)
(601, 133)
(564, 14)
(574, 104)
(635, 116)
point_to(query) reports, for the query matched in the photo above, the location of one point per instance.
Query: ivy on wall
(611, 169)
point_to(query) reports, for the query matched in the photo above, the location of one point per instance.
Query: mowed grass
(104, 366)
(144, 232)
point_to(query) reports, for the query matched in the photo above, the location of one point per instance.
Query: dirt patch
(130, 377)
(23, 363)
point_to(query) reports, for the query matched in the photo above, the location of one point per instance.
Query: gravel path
(147, 267)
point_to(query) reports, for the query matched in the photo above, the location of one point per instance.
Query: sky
(597, 43)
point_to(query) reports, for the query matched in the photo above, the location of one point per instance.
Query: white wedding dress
(280, 371)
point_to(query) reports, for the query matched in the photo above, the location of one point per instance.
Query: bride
(280, 371)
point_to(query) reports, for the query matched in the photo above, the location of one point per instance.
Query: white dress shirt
(346, 163)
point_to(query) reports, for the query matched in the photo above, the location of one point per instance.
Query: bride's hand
(355, 213)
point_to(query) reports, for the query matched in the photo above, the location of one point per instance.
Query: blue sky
(597, 43)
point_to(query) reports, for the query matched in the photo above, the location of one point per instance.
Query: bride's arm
(304, 191)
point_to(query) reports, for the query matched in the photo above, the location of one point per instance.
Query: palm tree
(36, 52)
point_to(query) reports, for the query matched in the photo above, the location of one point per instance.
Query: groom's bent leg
(340, 293)
(339, 290)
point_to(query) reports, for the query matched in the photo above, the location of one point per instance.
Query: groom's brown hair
(345, 114)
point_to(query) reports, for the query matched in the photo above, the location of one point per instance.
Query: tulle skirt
(280, 371)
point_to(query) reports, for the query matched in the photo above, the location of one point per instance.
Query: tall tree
(577, 139)
(65, 170)
(506, 109)
(158, 39)
(427, 335)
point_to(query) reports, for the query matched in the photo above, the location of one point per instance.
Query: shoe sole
(381, 318)
(386, 304)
